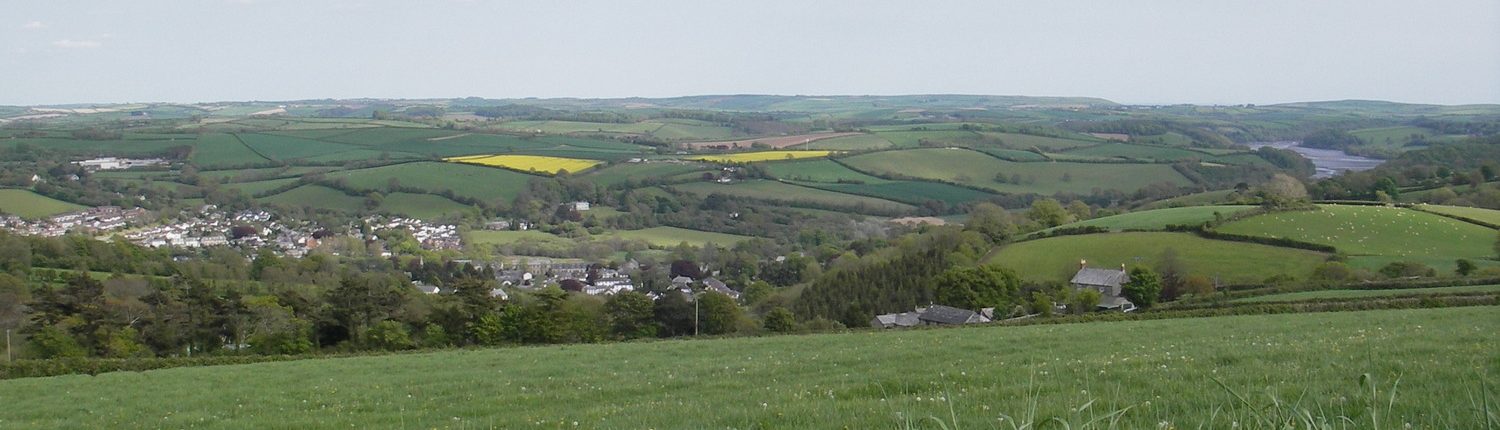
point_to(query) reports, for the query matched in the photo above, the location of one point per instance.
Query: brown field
(777, 142)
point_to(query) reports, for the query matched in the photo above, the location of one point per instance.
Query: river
(1328, 162)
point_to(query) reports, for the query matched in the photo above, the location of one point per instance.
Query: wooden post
(7, 346)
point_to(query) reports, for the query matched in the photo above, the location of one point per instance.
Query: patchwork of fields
(980, 170)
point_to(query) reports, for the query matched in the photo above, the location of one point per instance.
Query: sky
(1138, 52)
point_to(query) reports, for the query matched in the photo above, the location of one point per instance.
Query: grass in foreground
(1146, 373)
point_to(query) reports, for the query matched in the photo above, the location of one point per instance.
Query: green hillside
(1163, 373)
(1158, 219)
(1056, 259)
(1396, 233)
(979, 170)
(26, 204)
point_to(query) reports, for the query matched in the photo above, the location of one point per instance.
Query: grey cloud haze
(1158, 51)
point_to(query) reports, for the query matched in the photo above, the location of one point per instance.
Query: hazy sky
(1429, 51)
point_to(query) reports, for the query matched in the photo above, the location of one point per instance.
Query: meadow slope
(1162, 371)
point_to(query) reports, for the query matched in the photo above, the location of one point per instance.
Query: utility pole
(695, 313)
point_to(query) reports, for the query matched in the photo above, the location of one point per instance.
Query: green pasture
(1158, 219)
(619, 173)
(970, 168)
(1364, 294)
(790, 194)
(484, 183)
(1490, 216)
(1427, 368)
(27, 204)
(667, 237)
(1056, 258)
(1374, 230)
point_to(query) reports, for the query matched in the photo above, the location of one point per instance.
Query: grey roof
(682, 280)
(720, 287)
(947, 315)
(904, 319)
(1100, 277)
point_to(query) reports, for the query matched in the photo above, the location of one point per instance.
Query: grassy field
(1056, 258)
(1140, 152)
(819, 171)
(621, 172)
(424, 206)
(913, 139)
(1159, 219)
(793, 194)
(666, 237)
(1490, 216)
(1357, 294)
(751, 157)
(848, 143)
(979, 170)
(565, 127)
(316, 197)
(1375, 230)
(910, 192)
(290, 148)
(220, 149)
(1195, 199)
(257, 187)
(1158, 374)
(1026, 141)
(478, 182)
(506, 237)
(529, 163)
(1394, 137)
(26, 204)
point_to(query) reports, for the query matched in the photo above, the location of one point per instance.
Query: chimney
(1083, 264)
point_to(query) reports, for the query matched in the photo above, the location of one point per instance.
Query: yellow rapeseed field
(751, 157)
(528, 163)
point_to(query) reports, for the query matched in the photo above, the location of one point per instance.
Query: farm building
(931, 315)
(1107, 282)
(718, 286)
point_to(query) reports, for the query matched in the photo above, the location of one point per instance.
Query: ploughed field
(1139, 374)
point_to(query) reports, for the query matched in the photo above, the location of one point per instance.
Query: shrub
(1407, 269)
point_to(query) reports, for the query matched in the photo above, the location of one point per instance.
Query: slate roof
(905, 319)
(720, 287)
(1100, 277)
(946, 315)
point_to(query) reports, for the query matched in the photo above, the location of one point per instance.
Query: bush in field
(1407, 269)
(780, 320)
(1465, 267)
(1333, 271)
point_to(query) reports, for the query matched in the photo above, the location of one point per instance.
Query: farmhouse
(1107, 282)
